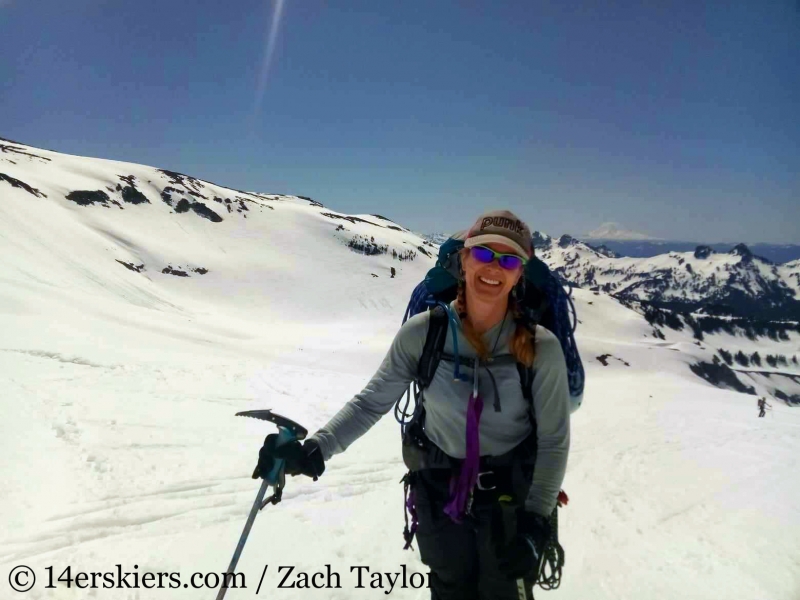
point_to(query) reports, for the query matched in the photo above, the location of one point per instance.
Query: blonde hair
(523, 341)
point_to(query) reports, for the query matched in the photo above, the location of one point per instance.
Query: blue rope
(563, 304)
(419, 298)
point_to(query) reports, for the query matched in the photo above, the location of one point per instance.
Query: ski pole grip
(285, 435)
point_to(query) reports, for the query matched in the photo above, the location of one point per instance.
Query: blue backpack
(543, 301)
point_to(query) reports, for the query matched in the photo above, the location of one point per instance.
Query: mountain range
(161, 226)
(735, 283)
(775, 253)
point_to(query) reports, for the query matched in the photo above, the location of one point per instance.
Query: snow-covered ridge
(737, 282)
(102, 222)
(93, 181)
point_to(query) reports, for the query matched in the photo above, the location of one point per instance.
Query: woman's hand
(521, 557)
(305, 459)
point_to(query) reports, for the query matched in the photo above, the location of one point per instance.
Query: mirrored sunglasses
(506, 261)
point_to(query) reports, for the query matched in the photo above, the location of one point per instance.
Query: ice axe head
(288, 431)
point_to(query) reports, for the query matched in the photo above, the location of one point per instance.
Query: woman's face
(489, 281)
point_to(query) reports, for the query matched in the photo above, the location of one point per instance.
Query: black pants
(462, 557)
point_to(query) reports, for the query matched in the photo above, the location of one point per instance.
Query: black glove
(305, 459)
(521, 557)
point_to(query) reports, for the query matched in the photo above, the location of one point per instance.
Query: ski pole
(288, 431)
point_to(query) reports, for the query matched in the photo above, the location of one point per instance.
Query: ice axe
(288, 431)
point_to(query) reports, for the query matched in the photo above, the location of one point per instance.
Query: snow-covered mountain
(142, 308)
(615, 231)
(137, 229)
(737, 283)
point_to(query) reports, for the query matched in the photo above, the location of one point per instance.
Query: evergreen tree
(726, 356)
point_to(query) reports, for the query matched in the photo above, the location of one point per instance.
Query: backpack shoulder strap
(526, 381)
(434, 346)
(433, 351)
(526, 375)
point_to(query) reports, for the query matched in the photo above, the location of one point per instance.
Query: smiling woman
(485, 481)
(495, 252)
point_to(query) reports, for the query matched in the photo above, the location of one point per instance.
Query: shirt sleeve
(551, 408)
(387, 385)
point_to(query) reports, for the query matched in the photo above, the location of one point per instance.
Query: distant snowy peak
(615, 231)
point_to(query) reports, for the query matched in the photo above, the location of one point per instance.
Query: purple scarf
(461, 486)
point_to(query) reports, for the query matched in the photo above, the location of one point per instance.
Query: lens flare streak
(269, 51)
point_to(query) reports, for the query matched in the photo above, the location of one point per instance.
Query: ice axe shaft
(288, 431)
(243, 538)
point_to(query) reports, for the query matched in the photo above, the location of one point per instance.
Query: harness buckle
(483, 487)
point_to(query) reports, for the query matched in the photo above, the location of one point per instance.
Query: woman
(512, 455)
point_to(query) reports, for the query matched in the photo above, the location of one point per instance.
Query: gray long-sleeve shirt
(446, 403)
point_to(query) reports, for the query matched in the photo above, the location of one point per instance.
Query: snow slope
(120, 444)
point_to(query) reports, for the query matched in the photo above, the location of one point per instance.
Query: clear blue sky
(677, 119)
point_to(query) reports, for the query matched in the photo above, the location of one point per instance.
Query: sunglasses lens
(510, 262)
(481, 254)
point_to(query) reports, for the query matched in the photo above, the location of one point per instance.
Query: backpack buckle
(483, 486)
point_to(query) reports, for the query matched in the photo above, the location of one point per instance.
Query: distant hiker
(762, 407)
(393, 272)
(476, 439)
